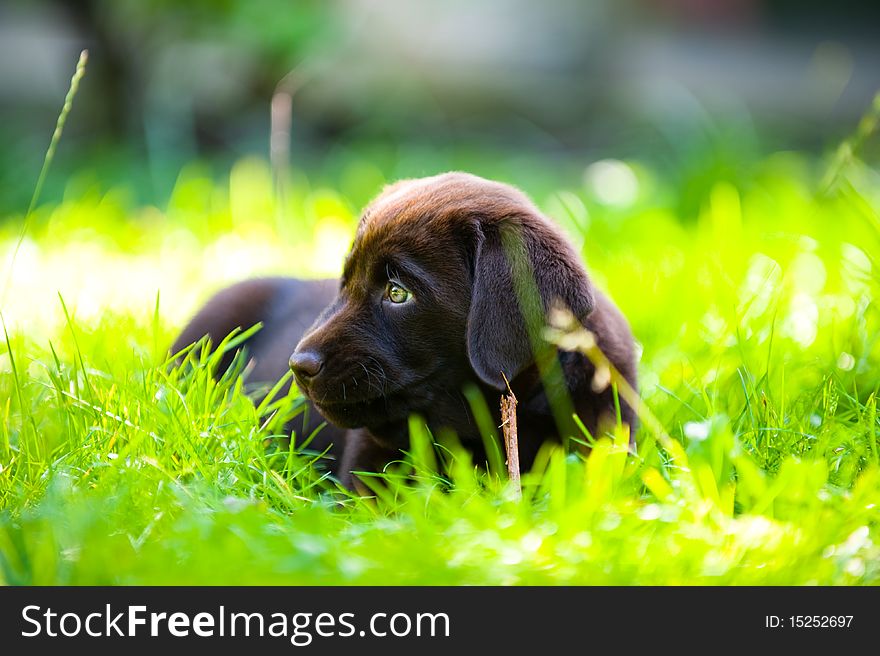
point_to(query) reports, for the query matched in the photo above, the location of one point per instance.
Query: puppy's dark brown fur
(481, 267)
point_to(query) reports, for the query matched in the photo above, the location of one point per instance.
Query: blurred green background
(531, 93)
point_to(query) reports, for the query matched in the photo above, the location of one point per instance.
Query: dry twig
(511, 441)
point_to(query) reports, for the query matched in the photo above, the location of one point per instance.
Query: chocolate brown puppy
(447, 285)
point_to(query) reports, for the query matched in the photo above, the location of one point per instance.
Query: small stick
(511, 441)
(281, 118)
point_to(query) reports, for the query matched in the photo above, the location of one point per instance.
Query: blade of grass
(47, 160)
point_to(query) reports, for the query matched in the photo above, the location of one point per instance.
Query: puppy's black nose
(306, 364)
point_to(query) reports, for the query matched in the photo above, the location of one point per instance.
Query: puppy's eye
(396, 293)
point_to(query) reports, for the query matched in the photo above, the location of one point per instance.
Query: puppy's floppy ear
(522, 268)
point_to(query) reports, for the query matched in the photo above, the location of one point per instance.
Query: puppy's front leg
(362, 452)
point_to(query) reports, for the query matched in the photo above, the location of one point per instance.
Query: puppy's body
(286, 307)
(447, 285)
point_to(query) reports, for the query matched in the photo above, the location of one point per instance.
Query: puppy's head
(448, 281)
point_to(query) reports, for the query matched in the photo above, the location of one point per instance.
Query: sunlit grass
(758, 333)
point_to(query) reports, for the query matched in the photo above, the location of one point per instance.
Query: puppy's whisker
(384, 376)
(367, 372)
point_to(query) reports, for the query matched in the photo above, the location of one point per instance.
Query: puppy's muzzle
(306, 365)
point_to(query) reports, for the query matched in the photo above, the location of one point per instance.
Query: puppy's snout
(306, 364)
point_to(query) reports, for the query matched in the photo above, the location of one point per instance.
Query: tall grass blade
(47, 160)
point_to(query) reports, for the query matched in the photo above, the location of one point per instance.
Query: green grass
(759, 359)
